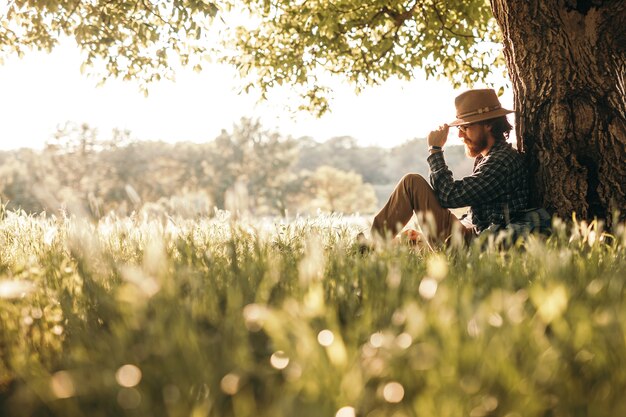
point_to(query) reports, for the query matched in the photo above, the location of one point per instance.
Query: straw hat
(477, 105)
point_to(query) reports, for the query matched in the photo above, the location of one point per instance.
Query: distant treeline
(248, 169)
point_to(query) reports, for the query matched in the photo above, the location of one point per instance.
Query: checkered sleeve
(486, 183)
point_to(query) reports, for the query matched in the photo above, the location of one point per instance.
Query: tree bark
(567, 63)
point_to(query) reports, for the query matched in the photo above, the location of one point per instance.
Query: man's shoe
(409, 237)
(364, 246)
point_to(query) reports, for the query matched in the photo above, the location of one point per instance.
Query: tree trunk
(567, 62)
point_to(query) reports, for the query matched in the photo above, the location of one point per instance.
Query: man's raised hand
(439, 136)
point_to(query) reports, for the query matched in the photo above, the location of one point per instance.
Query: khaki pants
(413, 194)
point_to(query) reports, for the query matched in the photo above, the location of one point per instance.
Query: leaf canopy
(295, 42)
(281, 42)
(121, 38)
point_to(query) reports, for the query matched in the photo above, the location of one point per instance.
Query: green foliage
(338, 191)
(139, 40)
(296, 42)
(137, 317)
(259, 159)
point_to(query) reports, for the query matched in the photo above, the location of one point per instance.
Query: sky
(42, 91)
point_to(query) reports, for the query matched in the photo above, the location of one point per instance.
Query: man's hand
(439, 136)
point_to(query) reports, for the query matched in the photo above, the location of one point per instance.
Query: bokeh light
(279, 360)
(325, 337)
(128, 375)
(393, 392)
(36, 313)
(230, 383)
(428, 288)
(254, 315)
(62, 385)
(404, 340)
(377, 339)
(346, 412)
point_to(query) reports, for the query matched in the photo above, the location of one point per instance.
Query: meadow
(241, 317)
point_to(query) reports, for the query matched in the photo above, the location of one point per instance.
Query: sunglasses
(463, 128)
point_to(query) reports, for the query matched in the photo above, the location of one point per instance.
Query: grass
(217, 317)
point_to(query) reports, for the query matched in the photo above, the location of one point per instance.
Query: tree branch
(443, 24)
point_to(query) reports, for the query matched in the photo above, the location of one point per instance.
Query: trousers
(413, 194)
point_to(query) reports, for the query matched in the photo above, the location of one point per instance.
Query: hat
(477, 105)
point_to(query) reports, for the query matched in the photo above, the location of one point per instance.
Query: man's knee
(414, 180)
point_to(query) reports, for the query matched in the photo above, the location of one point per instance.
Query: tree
(25, 182)
(258, 158)
(339, 191)
(566, 60)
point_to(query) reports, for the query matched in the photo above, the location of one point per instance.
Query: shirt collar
(498, 145)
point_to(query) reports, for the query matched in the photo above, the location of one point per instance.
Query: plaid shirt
(496, 191)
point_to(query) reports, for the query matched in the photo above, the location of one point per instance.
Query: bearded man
(496, 192)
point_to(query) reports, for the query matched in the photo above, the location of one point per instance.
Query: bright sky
(41, 91)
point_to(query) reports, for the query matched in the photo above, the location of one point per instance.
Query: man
(496, 192)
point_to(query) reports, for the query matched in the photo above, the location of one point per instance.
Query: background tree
(339, 191)
(257, 157)
(27, 182)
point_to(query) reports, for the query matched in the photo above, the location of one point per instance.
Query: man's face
(475, 137)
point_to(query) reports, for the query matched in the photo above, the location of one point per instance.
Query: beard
(474, 147)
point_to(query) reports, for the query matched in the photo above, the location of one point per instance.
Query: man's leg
(413, 194)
